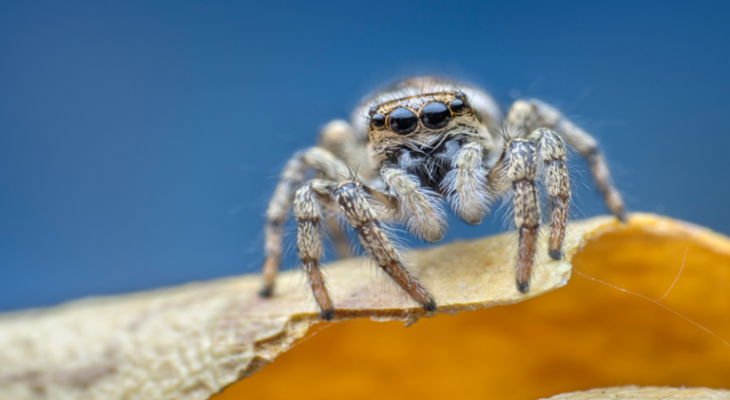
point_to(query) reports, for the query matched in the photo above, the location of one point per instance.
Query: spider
(418, 144)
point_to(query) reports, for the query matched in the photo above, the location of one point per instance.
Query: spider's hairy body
(419, 144)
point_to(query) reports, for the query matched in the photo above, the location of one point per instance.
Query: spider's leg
(308, 214)
(466, 185)
(337, 236)
(350, 195)
(554, 175)
(418, 206)
(517, 167)
(294, 173)
(527, 115)
(339, 138)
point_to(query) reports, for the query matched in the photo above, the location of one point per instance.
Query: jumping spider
(425, 140)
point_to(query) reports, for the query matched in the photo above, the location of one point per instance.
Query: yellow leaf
(192, 341)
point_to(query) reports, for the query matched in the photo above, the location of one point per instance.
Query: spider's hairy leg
(350, 195)
(337, 236)
(418, 206)
(527, 115)
(339, 137)
(519, 167)
(308, 214)
(294, 173)
(553, 172)
(466, 185)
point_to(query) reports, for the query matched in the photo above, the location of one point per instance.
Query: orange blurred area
(583, 336)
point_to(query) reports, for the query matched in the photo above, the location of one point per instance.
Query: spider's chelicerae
(415, 145)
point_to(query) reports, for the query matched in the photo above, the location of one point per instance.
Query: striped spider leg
(351, 199)
(417, 146)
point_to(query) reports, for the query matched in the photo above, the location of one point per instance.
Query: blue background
(139, 142)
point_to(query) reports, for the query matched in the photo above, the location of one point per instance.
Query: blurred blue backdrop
(140, 141)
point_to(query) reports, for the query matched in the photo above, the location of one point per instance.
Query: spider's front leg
(308, 205)
(352, 199)
(528, 115)
(518, 167)
(321, 161)
(522, 163)
(553, 173)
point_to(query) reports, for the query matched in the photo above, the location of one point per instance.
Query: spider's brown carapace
(414, 146)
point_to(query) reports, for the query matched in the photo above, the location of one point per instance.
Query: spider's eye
(457, 105)
(377, 120)
(402, 121)
(435, 115)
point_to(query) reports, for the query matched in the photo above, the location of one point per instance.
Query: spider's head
(418, 116)
(421, 117)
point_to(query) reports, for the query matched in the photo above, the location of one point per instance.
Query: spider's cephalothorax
(414, 145)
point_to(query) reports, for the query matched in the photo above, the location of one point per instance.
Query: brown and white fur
(413, 146)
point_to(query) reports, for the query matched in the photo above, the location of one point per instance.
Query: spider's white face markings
(414, 146)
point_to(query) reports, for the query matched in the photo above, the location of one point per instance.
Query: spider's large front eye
(402, 121)
(377, 120)
(435, 115)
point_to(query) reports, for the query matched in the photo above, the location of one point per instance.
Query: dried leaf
(646, 393)
(190, 342)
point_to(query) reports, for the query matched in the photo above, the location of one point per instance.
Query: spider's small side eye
(435, 115)
(402, 121)
(371, 112)
(377, 120)
(457, 105)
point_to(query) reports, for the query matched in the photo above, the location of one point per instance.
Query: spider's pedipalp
(350, 196)
(551, 157)
(525, 116)
(418, 206)
(466, 185)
